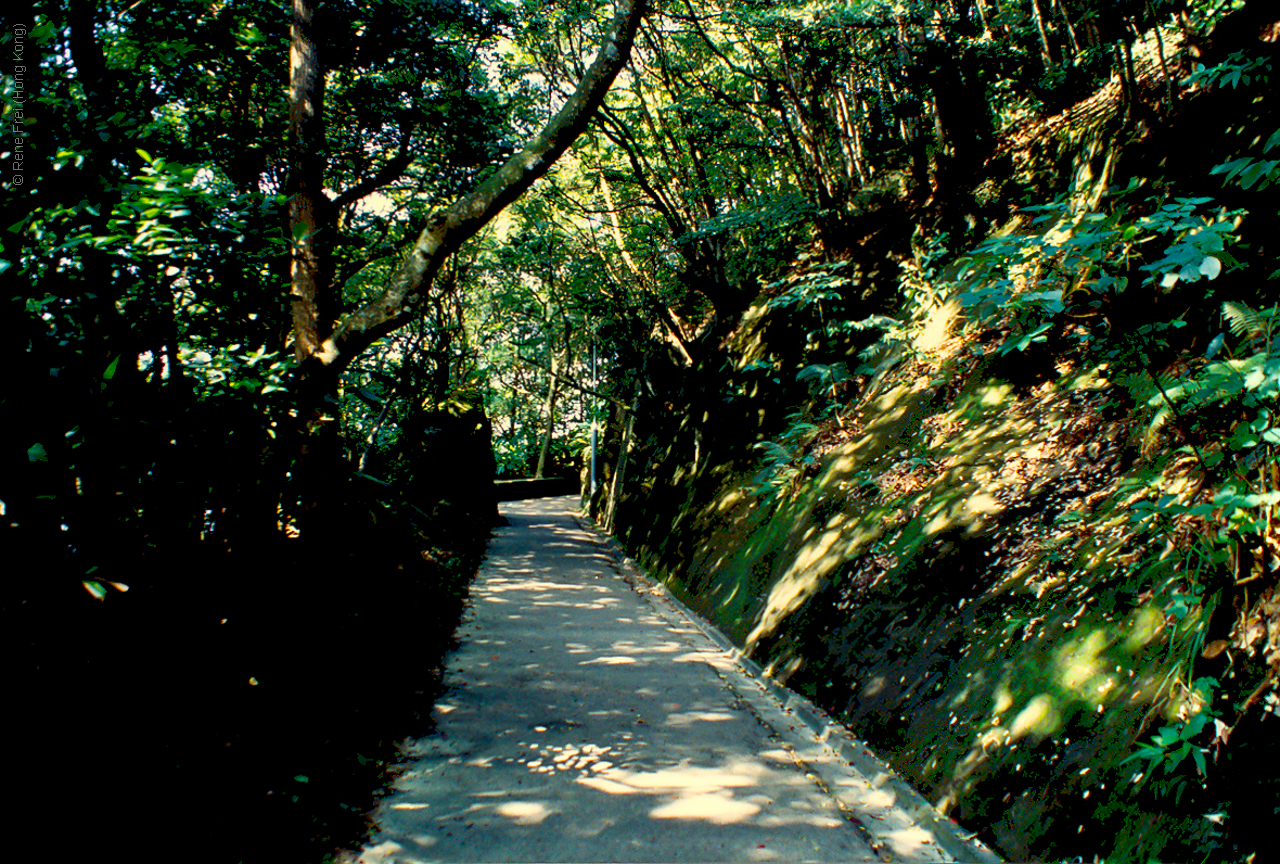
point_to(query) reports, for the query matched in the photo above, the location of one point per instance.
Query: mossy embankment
(1000, 556)
(962, 582)
(959, 583)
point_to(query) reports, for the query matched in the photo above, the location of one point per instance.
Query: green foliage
(816, 284)
(1025, 276)
(1200, 243)
(1025, 281)
(921, 281)
(1173, 743)
(774, 212)
(786, 459)
(1238, 70)
(1249, 171)
(823, 378)
(156, 411)
(1252, 383)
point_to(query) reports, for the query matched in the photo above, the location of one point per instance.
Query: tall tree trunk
(319, 443)
(620, 470)
(1164, 63)
(851, 140)
(982, 17)
(1071, 30)
(306, 184)
(553, 392)
(1128, 78)
(1046, 53)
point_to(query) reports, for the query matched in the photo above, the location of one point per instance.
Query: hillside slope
(1022, 526)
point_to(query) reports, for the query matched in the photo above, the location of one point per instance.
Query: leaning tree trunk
(396, 305)
(323, 352)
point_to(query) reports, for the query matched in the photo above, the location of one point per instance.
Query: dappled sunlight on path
(585, 721)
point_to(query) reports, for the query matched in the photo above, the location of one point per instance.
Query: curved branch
(449, 229)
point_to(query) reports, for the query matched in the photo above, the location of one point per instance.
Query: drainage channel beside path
(588, 716)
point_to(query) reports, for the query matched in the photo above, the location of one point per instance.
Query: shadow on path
(586, 717)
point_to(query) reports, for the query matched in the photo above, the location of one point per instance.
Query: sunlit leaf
(1216, 345)
(1214, 648)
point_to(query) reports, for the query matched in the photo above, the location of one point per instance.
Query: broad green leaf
(1255, 172)
(1232, 168)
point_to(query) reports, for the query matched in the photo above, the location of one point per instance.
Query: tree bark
(1164, 64)
(553, 393)
(982, 17)
(319, 444)
(1046, 54)
(306, 183)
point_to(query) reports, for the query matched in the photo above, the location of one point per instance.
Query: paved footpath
(590, 717)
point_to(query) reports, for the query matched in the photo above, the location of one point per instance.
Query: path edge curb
(961, 845)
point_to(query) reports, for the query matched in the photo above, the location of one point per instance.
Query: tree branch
(450, 228)
(395, 167)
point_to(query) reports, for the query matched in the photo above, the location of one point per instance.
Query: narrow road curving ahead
(590, 717)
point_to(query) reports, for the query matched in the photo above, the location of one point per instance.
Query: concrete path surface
(589, 717)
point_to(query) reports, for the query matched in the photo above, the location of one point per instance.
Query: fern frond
(775, 453)
(1244, 320)
(1174, 392)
